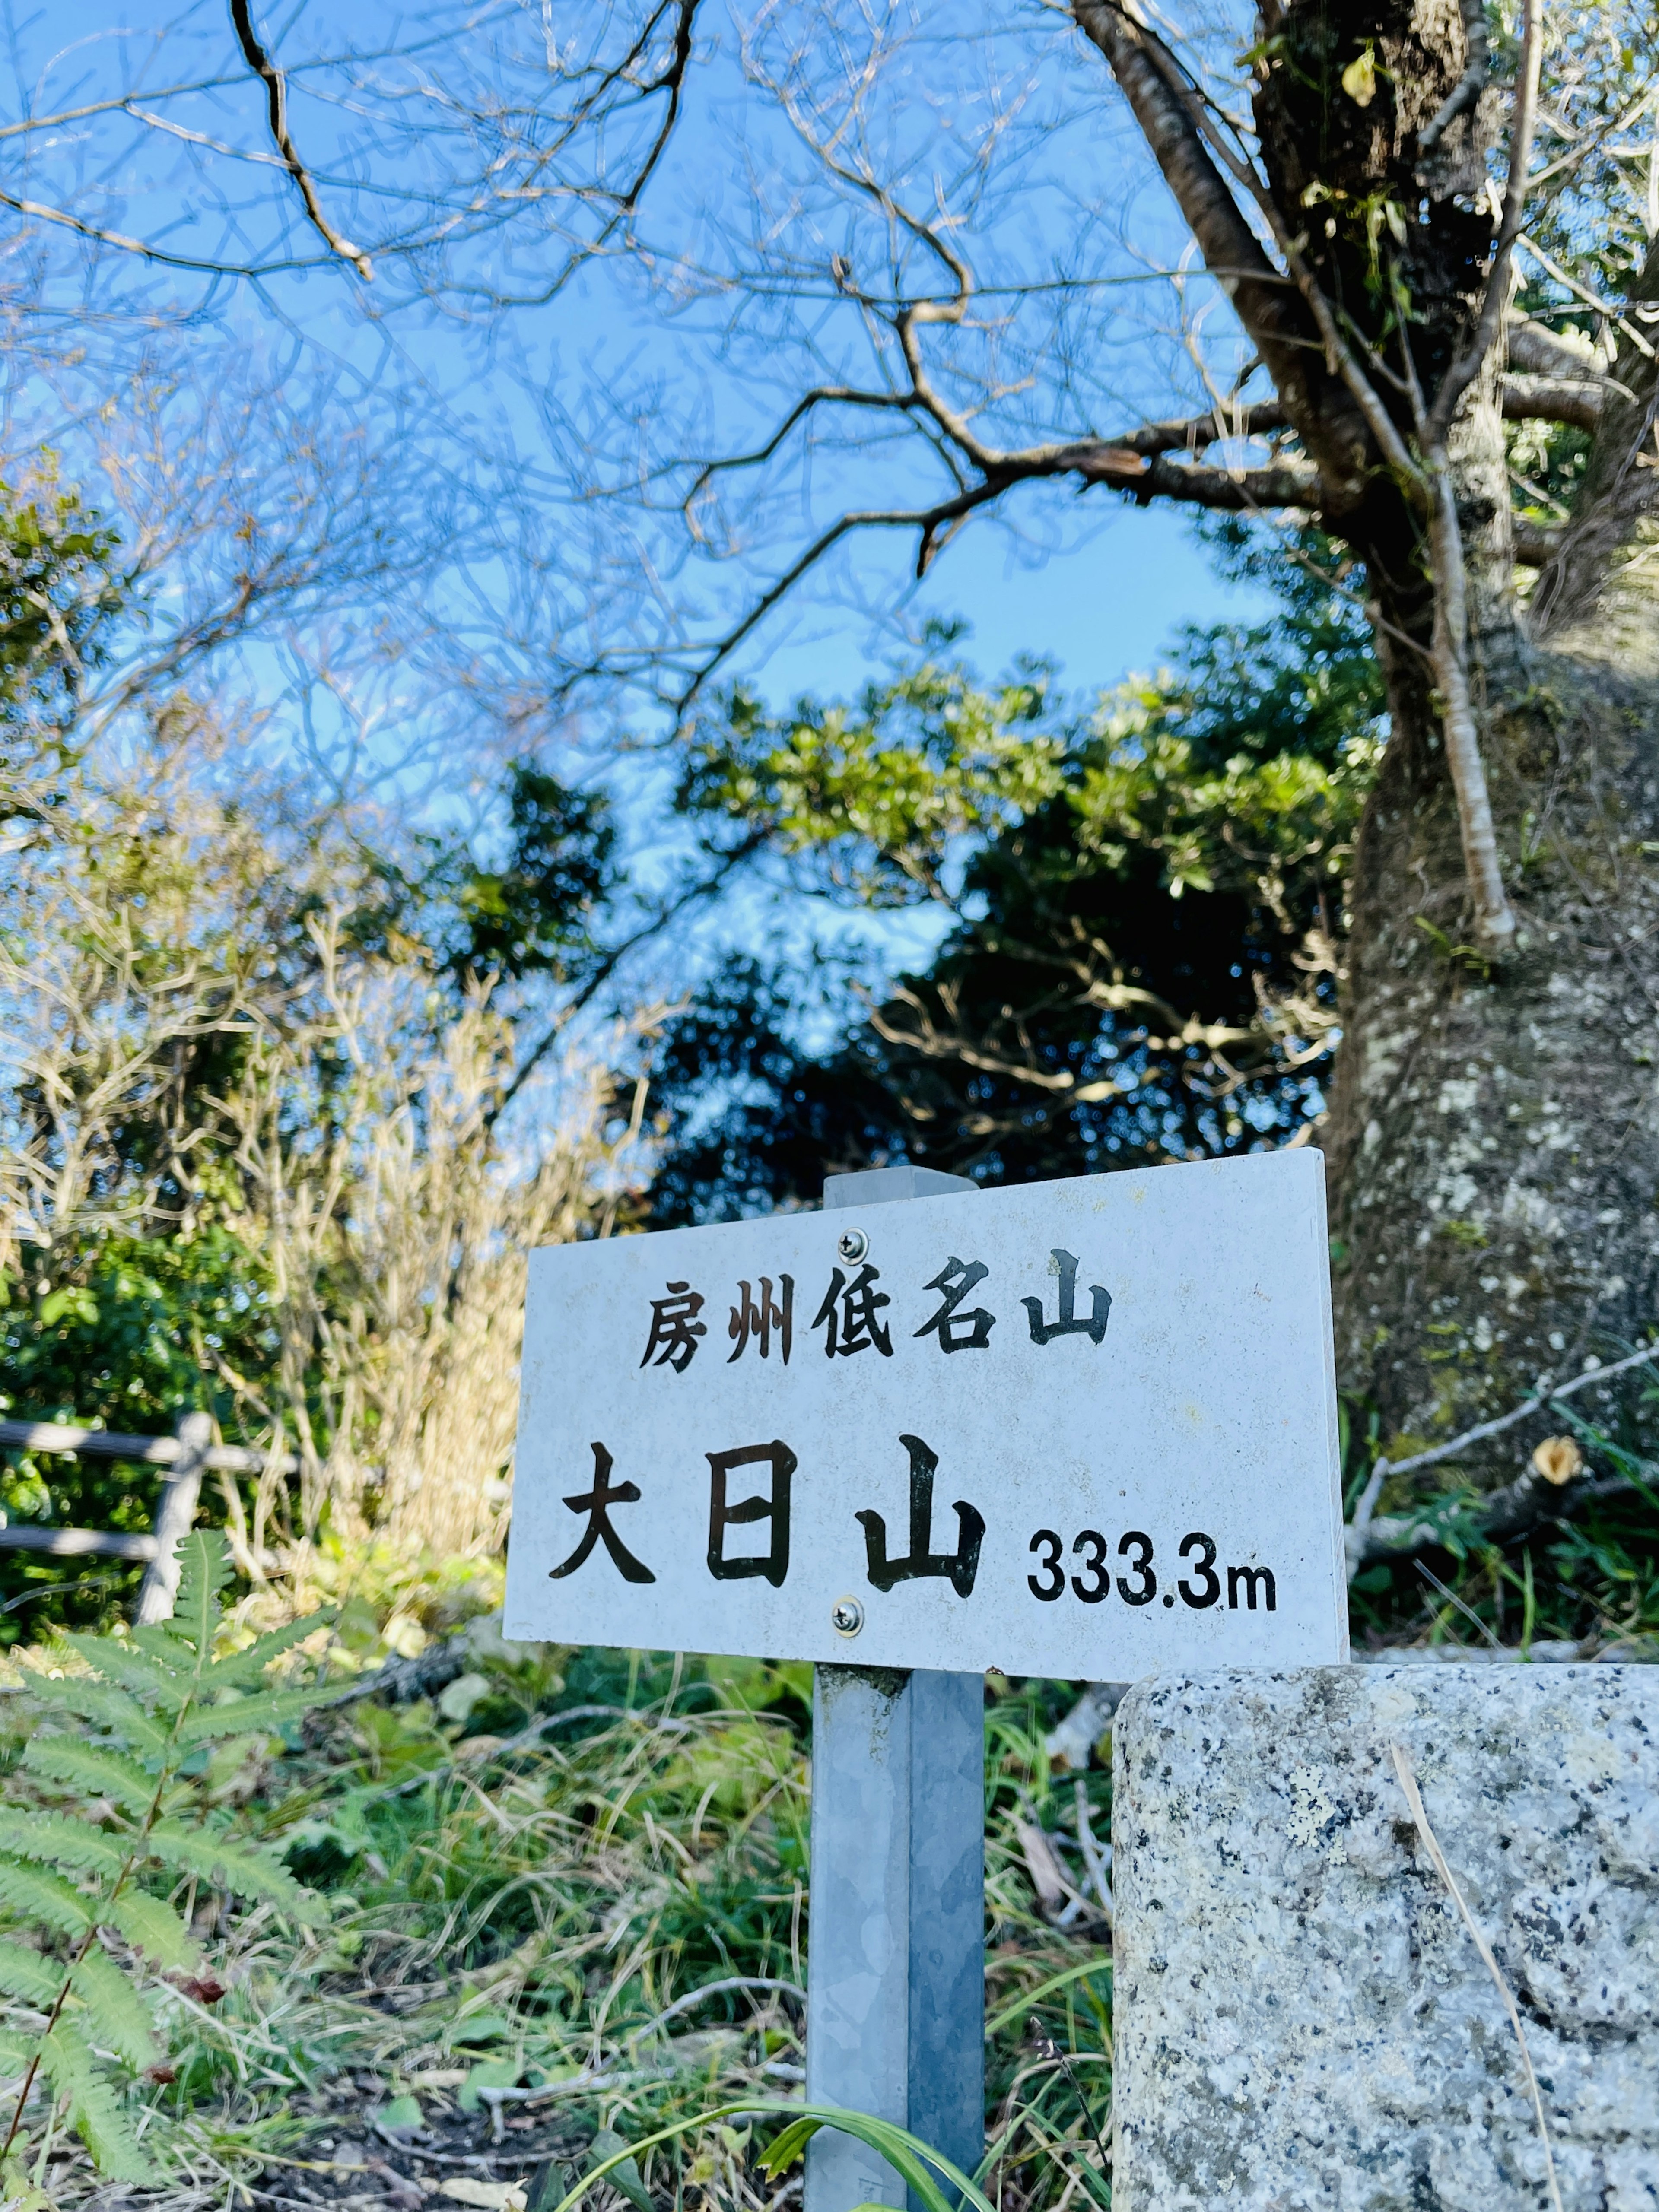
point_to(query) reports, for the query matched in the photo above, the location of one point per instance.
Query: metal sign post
(1084, 1429)
(895, 1985)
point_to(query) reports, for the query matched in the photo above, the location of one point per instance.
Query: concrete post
(896, 1987)
(173, 1518)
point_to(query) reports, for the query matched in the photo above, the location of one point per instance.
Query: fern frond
(204, 1570)
(156, 1639)
(153, 1928)
(24, 1974)
(263, 1714)
(117, 2017)
(104, 1706)
(16, 2054)
(249, 1666)
(45, 1898)
(74, 2074)
(91, 1769)
(61, 1842)
(118, 1660)
(235, 1867)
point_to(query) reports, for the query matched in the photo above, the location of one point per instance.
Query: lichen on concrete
(1302, 2017)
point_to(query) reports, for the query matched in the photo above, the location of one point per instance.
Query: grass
(568, 1909)
(532, 1880)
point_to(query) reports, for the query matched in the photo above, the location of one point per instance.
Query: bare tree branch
(1325, 421)
(276, 102)
(1529, 346)
(1503, 1516)
(669, 912)
(1193, 433)
(1554, 400)
(672, 81)
(1467, 92)
(1368, 1538)
(1264, 303)
(157, 254)
(1118, 466)
(1463, 371)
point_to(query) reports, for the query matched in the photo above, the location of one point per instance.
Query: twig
(1091, 1855)
(1619, 322)
(732, 1982)
(1052, 2052)
(1453, 1599)
(1380, 1473)
(1365, 1509)
(1402, 1767)
(276, 101)
(125, 244)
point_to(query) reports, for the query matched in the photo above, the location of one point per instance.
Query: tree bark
(1597, 598)
(1494, 1133)
(1493, 1137)
(1494, 1130)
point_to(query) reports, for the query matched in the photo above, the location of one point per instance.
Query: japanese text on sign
(1082, 1428)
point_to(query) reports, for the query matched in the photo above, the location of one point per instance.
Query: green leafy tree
(60, 592)
(110, 1821)
(1143, 897)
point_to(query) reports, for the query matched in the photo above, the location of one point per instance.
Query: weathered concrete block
(1303, 2020)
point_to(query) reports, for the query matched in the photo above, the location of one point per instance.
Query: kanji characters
(854, 1317)
(754, 1319)
(597, 1504)
(773, 1565)
(1070, 1322)
(959, 1332)
(958, 1568)
(850, 1314)
(675, 1328)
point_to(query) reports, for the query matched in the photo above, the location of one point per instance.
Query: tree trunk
(1494, 1133)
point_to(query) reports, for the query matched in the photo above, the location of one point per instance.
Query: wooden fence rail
(148, 1451)
(189, 1454)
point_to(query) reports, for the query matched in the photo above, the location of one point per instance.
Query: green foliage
(1142, 899)
(876, 796)
(528, 899)
(933, 2180)
(59, 592)
(518, 1892)
(105, 1821)
(1239, 769)
(535, 915)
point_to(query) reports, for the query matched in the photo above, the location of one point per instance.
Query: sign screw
(852, 1244)
(847, 1613)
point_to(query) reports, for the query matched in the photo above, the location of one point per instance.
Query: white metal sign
(1079, 1429)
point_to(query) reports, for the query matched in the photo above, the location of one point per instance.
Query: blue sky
(531, 410)
(1103, 609)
